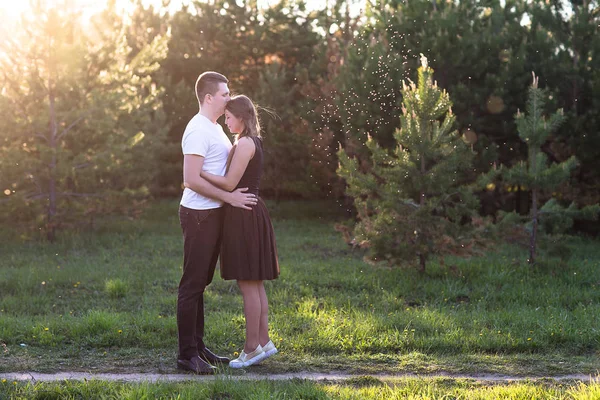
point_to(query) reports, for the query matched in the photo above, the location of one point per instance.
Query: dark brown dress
(248, 249)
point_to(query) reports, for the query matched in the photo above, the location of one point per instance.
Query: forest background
(92, 107)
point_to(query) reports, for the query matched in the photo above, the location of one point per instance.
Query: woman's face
(234, 124)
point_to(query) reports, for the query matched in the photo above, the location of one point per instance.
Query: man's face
(220, 99)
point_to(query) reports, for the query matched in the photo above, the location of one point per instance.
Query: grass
(105, 301)
(115, 288)
(359, 388)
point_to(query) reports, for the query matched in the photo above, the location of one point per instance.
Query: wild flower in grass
(529, 339)
(235, 353)
(120, 331)
(3, 380)
(46, 329)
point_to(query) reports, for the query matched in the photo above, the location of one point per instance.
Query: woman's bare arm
(244, 151)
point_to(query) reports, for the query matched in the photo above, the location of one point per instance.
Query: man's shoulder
(197, 122)
(203, 125)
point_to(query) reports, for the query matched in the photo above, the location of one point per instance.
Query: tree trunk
(422, 203)
(576, 55)
(534, 190)
(422, 194)
(422, 263)
(534, 217)
(52, 142)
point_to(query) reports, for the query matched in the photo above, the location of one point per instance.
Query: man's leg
(209, 277)
(201, 235)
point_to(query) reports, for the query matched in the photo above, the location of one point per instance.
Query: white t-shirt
(203, 138)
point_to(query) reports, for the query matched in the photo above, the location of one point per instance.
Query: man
(205, 146)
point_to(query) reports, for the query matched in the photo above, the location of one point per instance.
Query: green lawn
(360, 388)
(105, 301)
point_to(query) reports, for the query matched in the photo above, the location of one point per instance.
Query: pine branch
(41, 136)
(64, 132)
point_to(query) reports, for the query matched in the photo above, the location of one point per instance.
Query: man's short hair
(208, 83)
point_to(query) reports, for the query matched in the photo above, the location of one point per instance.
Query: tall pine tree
(82, 121)
(539, 176)
(412, 201)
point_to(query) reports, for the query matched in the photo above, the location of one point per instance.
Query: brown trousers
(201, 245)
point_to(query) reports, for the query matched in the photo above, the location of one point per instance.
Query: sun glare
(12, 9)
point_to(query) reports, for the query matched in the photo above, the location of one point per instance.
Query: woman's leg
(252, 312)
(264, 315)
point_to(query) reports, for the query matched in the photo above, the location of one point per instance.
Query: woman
(248, 250)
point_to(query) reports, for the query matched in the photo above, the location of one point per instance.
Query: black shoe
(212, 358)
(196, 365)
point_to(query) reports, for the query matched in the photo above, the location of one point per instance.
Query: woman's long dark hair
(242, 107)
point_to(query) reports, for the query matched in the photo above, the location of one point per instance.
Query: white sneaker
(269, 349)
(246, 360)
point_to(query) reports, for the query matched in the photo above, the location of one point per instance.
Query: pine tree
(83, 123)
(411, 202)
(537, 175)
(286, 138)
(564, 41)
(263, 51)
(465, 39)
(322, 106)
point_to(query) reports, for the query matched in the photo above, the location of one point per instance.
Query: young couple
(241, 230)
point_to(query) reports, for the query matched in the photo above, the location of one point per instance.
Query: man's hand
(238, 198)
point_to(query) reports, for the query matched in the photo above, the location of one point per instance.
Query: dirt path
(317, 376)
